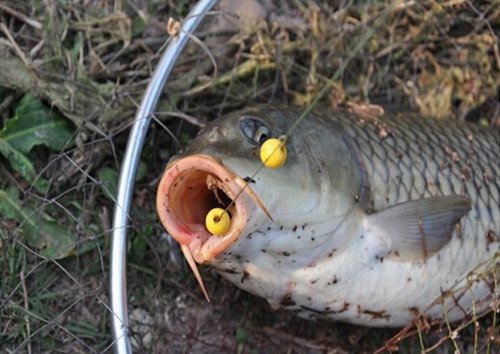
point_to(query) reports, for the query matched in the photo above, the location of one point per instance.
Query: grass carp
(371, 220)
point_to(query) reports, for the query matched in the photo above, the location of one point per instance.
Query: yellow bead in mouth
(273, 153)
(217, 221)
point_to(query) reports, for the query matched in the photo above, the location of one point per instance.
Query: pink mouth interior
(191, 199)
(188, 190)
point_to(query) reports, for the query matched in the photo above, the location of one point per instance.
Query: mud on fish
(371, 220)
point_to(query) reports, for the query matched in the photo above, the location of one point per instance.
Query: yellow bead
(273, 153)
(217, 221)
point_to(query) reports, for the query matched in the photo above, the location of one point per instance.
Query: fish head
(221, 168)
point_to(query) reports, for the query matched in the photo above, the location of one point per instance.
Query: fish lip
(183, 199)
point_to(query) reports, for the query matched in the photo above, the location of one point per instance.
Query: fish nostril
(215, 134)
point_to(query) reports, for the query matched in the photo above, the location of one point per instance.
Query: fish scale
(429, 148)
(432, 147)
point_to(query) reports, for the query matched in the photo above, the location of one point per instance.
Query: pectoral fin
(417, 229)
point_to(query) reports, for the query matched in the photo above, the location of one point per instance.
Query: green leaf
(51, 239)
(34, 124)
(23, 166)
(84, 328)
(9, 203)
(19, 162)
(138, 26)
(109, 180)
(47, 237)
(141, 171)
(241, 335)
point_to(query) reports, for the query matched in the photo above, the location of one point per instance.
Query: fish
(374, 220)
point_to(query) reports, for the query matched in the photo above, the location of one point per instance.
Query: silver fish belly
(372, 220)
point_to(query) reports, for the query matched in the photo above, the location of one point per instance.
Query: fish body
(371, 220)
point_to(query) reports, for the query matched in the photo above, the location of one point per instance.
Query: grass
(90, 65)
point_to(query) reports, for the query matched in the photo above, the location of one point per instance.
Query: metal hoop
(118, 262)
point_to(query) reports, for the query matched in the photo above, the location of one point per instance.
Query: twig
(205, 48)
(190, 119)
(483, 18)
(244, 69)
(18, 50)
(26, 307)
(20, 16)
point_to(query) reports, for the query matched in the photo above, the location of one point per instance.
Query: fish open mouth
(189, 189)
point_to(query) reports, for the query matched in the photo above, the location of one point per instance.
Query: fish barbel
(371, 220)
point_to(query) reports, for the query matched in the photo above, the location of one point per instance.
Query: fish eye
(254, 130)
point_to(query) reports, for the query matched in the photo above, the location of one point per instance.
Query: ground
(71, 76)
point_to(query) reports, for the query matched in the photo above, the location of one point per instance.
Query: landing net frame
(118, 260)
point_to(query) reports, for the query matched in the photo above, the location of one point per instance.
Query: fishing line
(350, 56)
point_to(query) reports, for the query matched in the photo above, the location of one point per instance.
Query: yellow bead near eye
(217, 221)
(273, 153)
